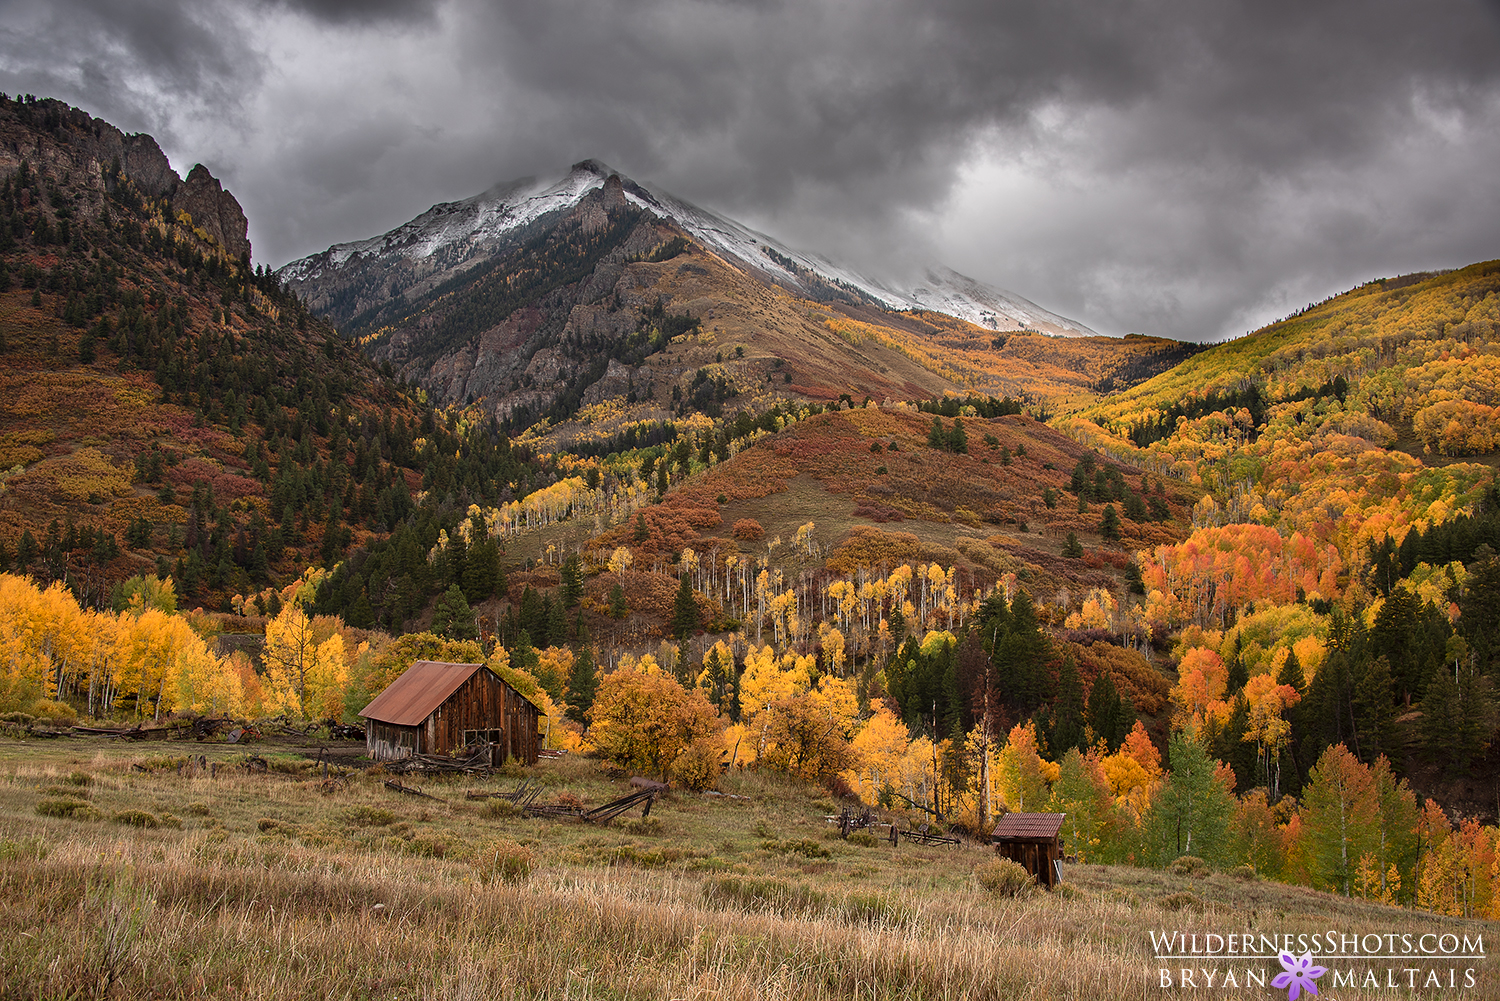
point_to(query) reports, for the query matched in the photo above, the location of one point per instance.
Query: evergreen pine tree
(481, 570)
(531, 615)
(1109, 524)
(523, 655)
(1104, 710)
(1375, 711)
(898, 626)
(26, 550)
(361, 615)
(572, 581)
(458, 558)
(1226, 741)
(1238, 675)
(583, 683)
(958, 439)
(1072, 548)
(617, 607)
(557, 623)
(1020, 657)
(1291, 672)
(1068, 711)
(453, 618)
(684, 609)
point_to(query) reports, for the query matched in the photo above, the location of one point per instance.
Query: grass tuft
(773, 895)
(805, 847)
(135, 818)
(498, 809)
(69, 809)
(1189, 865)
(1004, 877)
(368, 816)
(1181, 901)
(502, 861)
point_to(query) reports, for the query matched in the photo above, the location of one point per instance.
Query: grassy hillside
(865, 480)
(168, 882)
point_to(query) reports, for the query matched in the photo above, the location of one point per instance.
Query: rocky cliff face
(60, 140)
(213, 209)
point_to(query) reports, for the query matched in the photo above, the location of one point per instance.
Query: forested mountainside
(1349, 453)
(167, 408)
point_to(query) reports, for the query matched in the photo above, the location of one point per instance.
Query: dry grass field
(129, 871)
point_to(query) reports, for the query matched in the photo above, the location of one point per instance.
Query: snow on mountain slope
(454, 233)
(458, 228)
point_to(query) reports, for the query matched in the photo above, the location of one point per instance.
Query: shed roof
(419, 690)
(1028, 825)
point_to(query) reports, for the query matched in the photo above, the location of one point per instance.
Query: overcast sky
(1190, 168)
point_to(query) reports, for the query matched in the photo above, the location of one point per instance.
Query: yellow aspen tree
(836, 701)
(101, 629)
(832, 642)
(204, 683)
(917, 771)
(644, 720)
(1024, 778)
(146, 647)
(879, 747)
(290, 652)
(25, 665)
(327, 678)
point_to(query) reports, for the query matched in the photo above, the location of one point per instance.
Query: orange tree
(643, 719)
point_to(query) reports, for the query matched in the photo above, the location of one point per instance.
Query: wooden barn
(440, 708)
(1032, 839)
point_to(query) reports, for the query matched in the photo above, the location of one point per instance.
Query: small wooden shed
(440, 708)
(1032, 839)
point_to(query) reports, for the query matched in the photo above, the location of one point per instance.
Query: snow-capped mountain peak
(451, 235)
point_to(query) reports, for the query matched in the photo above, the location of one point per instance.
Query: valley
(931, 550)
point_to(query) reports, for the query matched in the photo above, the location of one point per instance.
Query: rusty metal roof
(419, 690)
(1028, 825)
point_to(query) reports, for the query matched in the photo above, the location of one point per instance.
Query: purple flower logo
(1300, 974)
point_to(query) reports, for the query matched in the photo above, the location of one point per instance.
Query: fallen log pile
(598, 815)
(431, 764)
(566, 807)
(138, 732)
(396, 786)
(521, 795)
(344, 731)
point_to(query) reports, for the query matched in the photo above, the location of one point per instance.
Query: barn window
(472, 737)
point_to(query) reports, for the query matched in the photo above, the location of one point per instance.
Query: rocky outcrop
(55, 136)
(214, 210)
(141, 160)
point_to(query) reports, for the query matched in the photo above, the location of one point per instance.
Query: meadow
(132, 871)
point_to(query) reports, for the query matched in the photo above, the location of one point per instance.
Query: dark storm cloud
(1178, 166)
(140, 63)
(362, 11)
